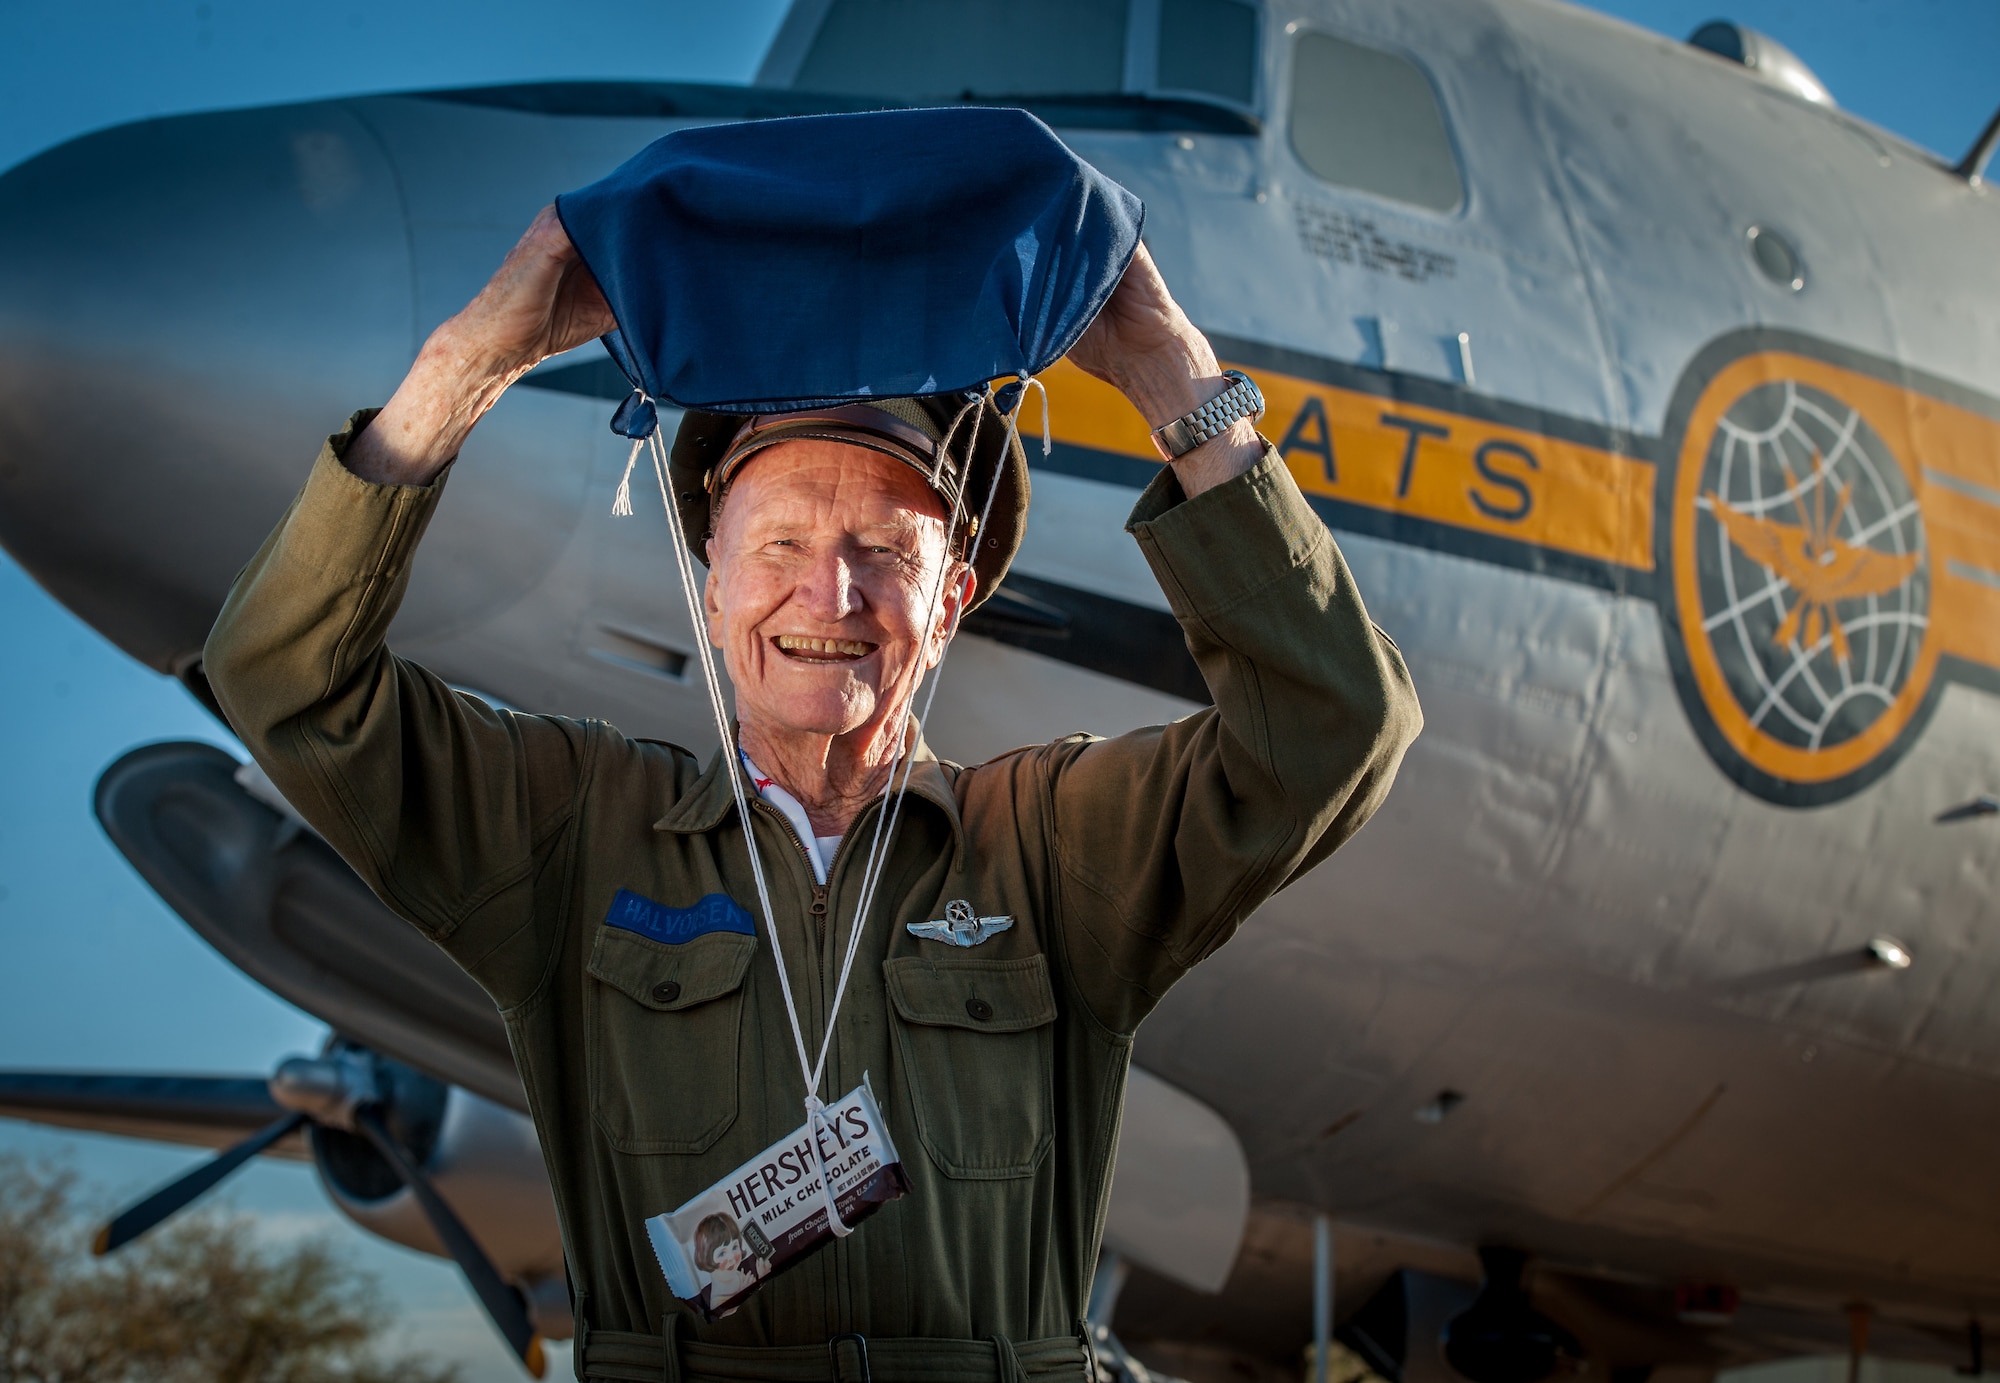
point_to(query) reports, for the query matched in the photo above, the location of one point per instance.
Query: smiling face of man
(822, 572)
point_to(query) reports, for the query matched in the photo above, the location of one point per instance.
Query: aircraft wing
(281, 906)
(199, 1111)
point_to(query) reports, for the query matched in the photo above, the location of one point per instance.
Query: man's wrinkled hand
(540, 302)
(1144, 346)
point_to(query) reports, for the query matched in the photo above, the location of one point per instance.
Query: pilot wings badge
(961, 926)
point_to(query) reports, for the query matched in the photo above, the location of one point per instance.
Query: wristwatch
(1242, 399)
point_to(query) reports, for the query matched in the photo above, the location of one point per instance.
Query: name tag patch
(718, 912)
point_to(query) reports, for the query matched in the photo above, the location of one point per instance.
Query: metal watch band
(1242, 399)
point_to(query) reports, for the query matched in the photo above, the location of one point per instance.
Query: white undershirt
(819, 849)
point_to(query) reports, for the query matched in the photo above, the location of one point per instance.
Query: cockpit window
(1367, 119)
(1210, 47)
(912, 49)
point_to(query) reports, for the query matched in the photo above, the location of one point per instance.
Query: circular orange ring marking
(1887, 409)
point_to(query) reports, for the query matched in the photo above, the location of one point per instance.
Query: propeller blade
(135, 1220)
(501, 1301)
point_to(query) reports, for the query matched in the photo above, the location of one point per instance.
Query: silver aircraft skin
(1657, 421)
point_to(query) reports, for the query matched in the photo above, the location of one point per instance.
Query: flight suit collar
(710, 799)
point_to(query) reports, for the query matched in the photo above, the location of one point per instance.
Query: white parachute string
(697, 617)
(1030, 382)
(891, 809)
(877, 848)
(879, 843)
(890, 814)
(871, 880)
(684, 562)
(621, 503)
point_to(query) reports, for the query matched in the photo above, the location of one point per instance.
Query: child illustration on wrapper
(720, 1251)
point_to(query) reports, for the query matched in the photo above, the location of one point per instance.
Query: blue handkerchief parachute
(784, 264)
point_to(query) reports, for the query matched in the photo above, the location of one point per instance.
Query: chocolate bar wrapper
(768, 1213)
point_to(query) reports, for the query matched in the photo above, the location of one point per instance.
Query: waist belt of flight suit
(633, 1358)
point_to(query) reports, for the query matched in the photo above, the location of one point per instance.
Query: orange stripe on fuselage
(1950, 444)
(1427, 463)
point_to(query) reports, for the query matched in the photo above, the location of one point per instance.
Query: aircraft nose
(181, 300)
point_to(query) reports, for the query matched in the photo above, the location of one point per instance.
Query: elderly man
(654, 1066)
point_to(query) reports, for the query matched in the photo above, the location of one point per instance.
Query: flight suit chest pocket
(976, 1040)
(662, 1033)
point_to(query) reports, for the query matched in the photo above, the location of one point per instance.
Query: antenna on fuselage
(1973, 166)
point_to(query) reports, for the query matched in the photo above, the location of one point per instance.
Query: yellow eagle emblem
(1823, 568)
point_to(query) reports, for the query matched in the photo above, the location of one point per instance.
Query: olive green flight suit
(654, 1069)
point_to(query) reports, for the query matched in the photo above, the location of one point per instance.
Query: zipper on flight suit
(819, 907)
(818, 911)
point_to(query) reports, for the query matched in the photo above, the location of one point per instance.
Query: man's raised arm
(442, 804)
(1167, 838)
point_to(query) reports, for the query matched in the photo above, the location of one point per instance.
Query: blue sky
(98, 974)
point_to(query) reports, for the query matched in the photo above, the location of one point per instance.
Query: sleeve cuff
(353, 527)
(1227, 543)
(338, 444)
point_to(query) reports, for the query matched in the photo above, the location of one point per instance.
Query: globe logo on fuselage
(1801, 581)
(1809, 548)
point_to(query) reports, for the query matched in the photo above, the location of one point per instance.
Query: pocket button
(979, 1009)
(666, 991)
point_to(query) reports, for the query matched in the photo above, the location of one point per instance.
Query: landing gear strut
(1500, 1338)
